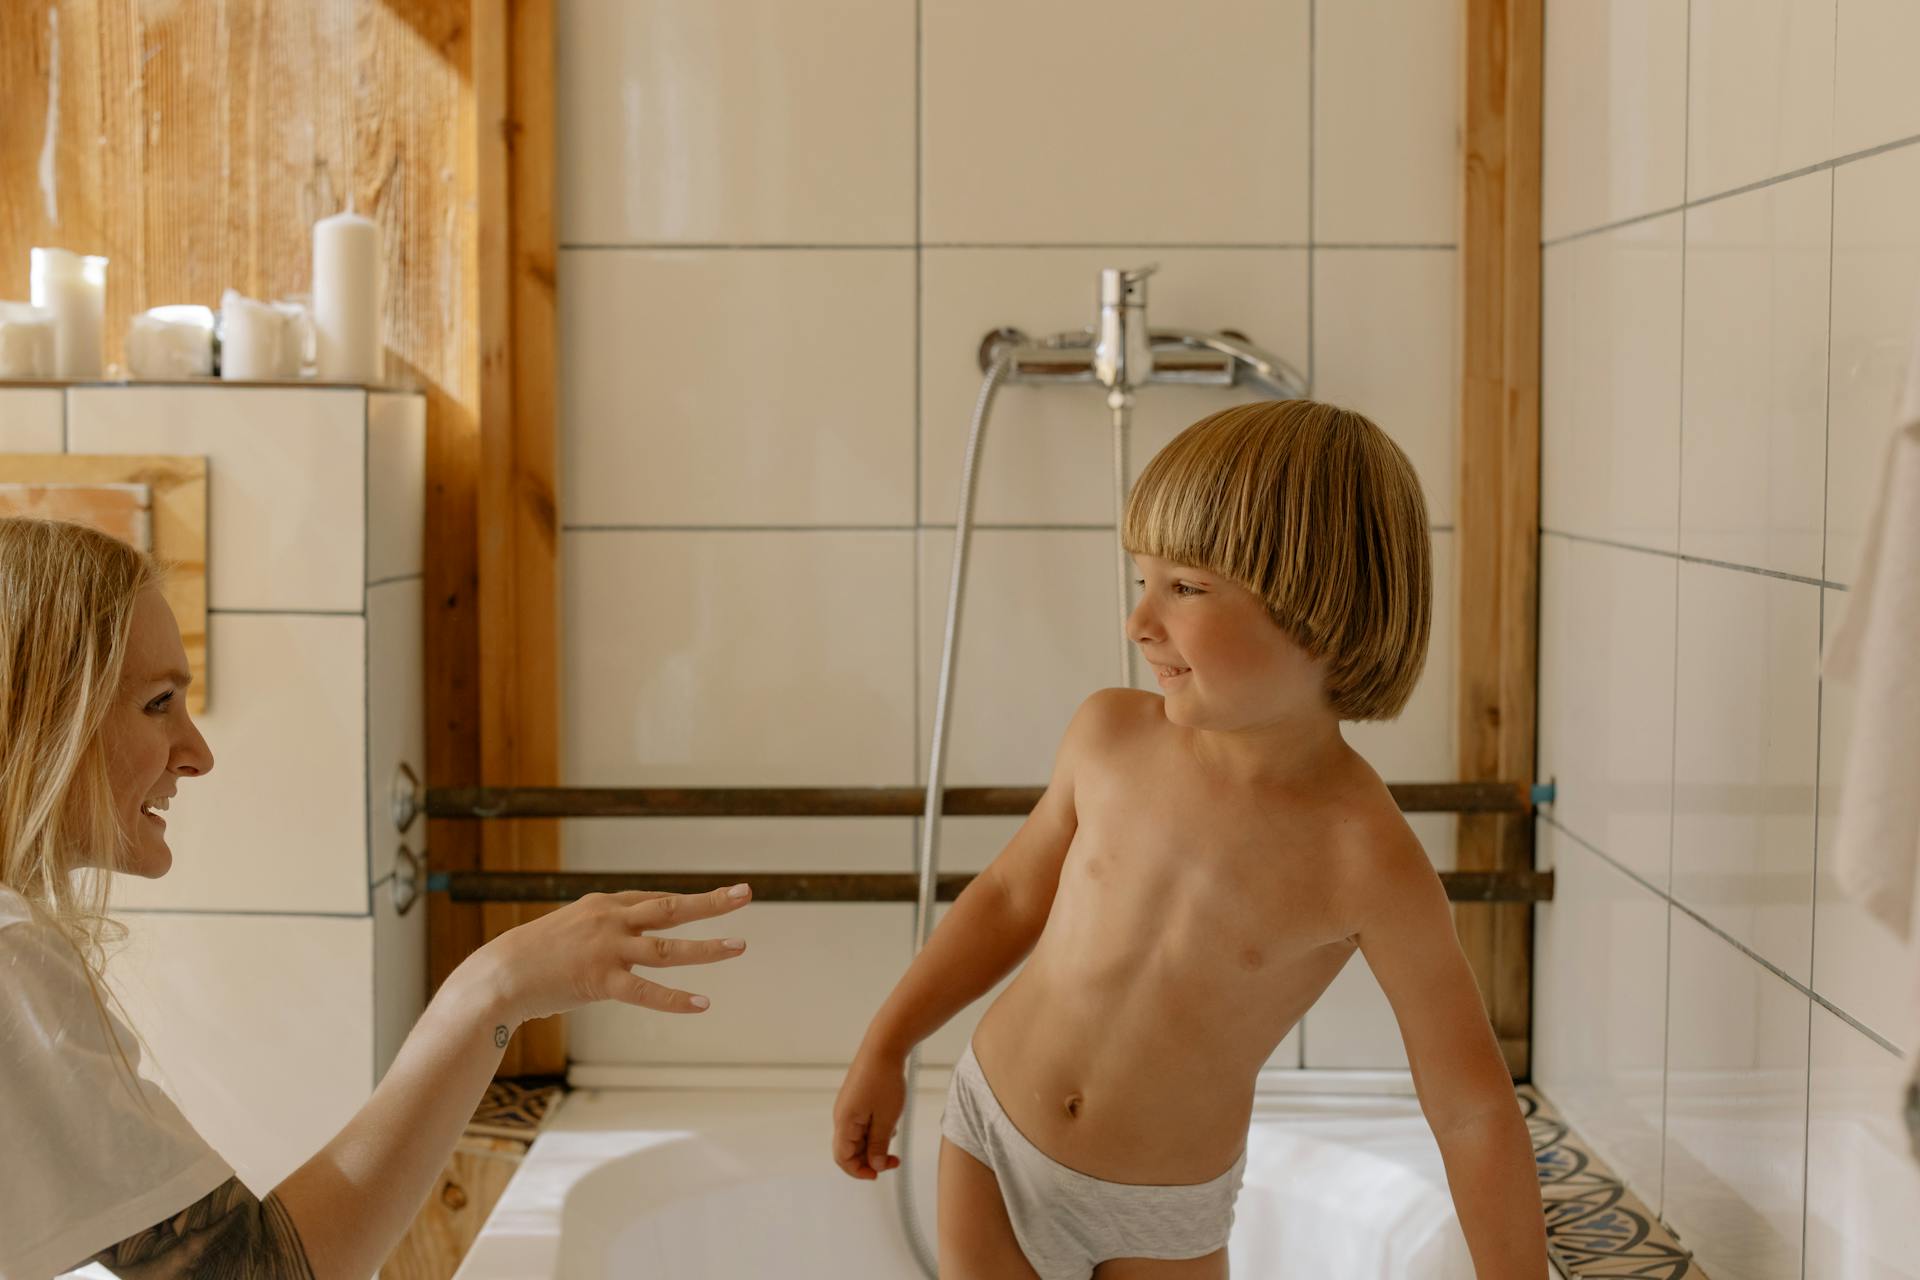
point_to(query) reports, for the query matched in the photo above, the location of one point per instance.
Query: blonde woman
(98, 1164)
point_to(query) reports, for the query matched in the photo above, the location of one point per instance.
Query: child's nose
(1142, 626)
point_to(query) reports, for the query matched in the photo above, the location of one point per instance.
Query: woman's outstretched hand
(585, 952)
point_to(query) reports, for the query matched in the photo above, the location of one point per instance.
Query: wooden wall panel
(195, 142)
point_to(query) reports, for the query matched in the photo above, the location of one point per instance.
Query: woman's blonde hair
(1318, 512)
(67, 597)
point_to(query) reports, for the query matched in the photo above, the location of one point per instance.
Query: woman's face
(151, 741)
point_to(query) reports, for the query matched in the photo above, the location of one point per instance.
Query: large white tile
(1600, 988)
(1606, 698)
(396, 485)
(766, 121)
(1039, 632)
(1736, 1109)
(1858, 962)
(1352, 1025)
(396, 713)
(1385, 343)
(286, 482)
(32, 419)
(259, 1027)
(1744, 758)
(1120, 127)
(745, 659)
(399, 967)
(1759, 90)
(1610, 400)
(1423, 744)
(737, 388)
(1876, 98)
(280, 823)
(1862, 1181)
(1614, 111)
(741, 844)
(1876, 272)
(810, 981)
(1753, 430)
(1048, 453)
(1387, 151)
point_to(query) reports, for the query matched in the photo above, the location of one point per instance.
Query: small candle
(26, 341)
(255, 341)
(346, 298)
(171, 342)
(74, 288)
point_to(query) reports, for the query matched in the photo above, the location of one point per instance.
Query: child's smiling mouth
(1166, 673)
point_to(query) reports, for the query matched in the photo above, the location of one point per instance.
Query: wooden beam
(1499, 494)
(519, 640)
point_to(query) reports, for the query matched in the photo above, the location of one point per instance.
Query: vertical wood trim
(519, 642)
(1499, 496)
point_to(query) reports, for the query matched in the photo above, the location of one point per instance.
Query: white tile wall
(1386, 166)
(270, 1070)
(1599, 1002)
(1744, 765)
(757, 659)
(396, 712)
(763, 122)
(1862, 1179)
(303, 502)
(1048, 454)
(1736, 1108)
(1754, 420)
(737, 388)
(1352, 1025)
(1759, 90)
(1614, 107)
(1040, 125)
(1610, 396)
(32, 419)
(396, 485)
(1875, 96)
(1606, 698)
(265, 830)
(1876, 285)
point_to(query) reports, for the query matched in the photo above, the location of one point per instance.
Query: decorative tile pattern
(1595, 1227)
(516, 1109)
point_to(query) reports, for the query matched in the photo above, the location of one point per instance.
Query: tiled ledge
(283, 384)
(1596, 1228)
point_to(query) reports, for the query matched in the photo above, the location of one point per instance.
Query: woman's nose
(192, 755)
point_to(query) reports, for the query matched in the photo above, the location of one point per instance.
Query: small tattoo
(500, 1037)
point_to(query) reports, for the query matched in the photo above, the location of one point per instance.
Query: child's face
(1220, 659)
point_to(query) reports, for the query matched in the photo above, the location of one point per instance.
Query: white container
(171, 342)
(346, 299)
(74, 289)
(26, 341)
(259, 341)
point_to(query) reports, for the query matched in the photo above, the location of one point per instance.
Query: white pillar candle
(346, 298)
(255, 345)
(74, 288)
(171, 342)
(26, 341)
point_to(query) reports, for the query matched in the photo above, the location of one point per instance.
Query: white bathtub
(733, 1182)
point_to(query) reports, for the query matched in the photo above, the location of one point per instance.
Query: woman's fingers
(631, 988)
(670, 909)
(665, 953)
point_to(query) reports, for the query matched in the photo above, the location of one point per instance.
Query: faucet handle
(1125, 288)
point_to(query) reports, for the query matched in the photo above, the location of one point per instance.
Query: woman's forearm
(354, 1200)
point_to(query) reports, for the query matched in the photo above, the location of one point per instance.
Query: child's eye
(1181, 588)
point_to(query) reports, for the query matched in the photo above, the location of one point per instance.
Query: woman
(99, 1165)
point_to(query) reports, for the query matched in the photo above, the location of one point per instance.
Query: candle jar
(74, 288)
(26, 341)
(258, 341)
(171, 342)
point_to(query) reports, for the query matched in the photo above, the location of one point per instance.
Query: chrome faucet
(1123, 347)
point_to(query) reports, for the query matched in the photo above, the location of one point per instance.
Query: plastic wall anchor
(1543, 792)
(438, 882)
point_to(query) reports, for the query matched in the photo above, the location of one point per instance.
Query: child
(1200, 867)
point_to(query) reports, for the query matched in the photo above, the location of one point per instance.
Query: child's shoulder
(1111, 719)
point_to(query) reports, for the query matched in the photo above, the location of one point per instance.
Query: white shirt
(87, 1156)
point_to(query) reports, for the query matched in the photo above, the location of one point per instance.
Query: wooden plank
(519, 641)
(1498, 529)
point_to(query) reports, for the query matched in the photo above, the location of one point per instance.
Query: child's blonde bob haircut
(1317, 511)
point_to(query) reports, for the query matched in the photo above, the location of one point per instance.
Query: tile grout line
(1684, 558)
(1269, 246)
(1673, 698)
(1866, 153)
(1725, 937)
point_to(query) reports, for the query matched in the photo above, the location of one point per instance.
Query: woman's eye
(160, 703)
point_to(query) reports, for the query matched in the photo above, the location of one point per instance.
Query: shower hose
(1121, 404)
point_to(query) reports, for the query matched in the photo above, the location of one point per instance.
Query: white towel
(1876, 846)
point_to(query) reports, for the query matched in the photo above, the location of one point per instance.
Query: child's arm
(990, 928)
(1407, 935)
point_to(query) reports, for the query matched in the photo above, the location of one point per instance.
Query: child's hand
(865, 1114)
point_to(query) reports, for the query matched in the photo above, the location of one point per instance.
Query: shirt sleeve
(93, 1152)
